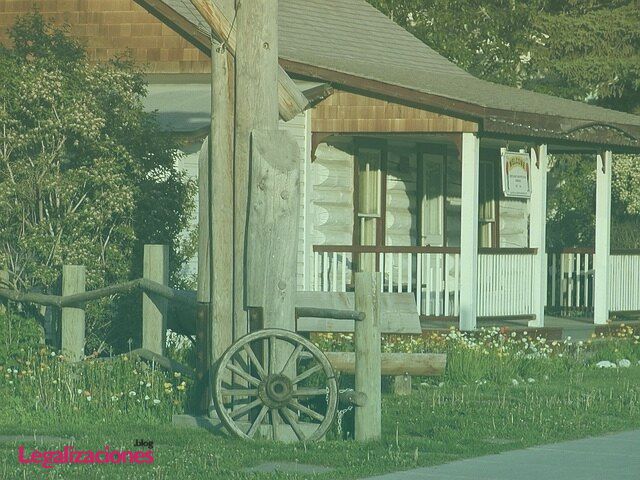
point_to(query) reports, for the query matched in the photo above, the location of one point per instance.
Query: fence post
(402, 385)
(368, 418)
(154, 307)
(73, 318)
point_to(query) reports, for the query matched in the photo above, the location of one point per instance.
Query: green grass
(500, 391)
(434, 425)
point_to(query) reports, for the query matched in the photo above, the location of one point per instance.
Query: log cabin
(408, 164)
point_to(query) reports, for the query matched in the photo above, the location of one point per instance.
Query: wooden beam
(221, 206)
(394, 364)
(290, 99)
(601, 259)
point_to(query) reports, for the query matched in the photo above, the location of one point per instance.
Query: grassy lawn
(492, 398)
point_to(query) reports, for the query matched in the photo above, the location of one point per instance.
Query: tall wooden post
(538, 231)
(470, 157)
(602, 256)
(256, 108)
(368, 418)
(214, 329)
(154, 307)
(73, 318)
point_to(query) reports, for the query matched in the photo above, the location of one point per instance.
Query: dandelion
(176, 374)
(531, 380)
(132, 393)
(148, 385)
(146, 397)
(79, 391)
(89, 398)
(156, 401)
(114, 398)
(514, 382)
(167, 385)
(141, 383)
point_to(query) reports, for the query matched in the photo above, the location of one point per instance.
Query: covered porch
(488, 264)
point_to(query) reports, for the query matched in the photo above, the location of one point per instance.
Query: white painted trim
(538, 231)
(601, 298)
(470, 158)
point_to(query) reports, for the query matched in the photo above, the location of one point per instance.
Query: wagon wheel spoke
(307, 373)
(258, 421)
(256, 363)
(276, 420)
(292, 358)
(241, 373)
(244, 409)
(239, 392)
(290, 418)
(309, 392)
(272, 354)
(312, 413)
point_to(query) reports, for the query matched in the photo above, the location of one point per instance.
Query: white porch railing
(624, 281)
(505, 282)
(433, 275)
(570, 280)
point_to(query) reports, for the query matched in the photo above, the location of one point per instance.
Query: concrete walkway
(612, 457)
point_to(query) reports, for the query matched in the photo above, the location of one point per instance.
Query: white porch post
(603, 238)
(470, 157)
(538, 231)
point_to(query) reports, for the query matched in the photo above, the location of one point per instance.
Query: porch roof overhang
(355, 47)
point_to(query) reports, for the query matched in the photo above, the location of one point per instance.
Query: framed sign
(516, 174)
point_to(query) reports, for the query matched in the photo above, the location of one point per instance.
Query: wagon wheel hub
(276, 390)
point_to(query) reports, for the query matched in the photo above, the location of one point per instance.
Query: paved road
(612, 457)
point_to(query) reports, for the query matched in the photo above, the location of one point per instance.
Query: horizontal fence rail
(432, 274)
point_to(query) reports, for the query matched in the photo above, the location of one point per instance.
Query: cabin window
(487, 228)
(432, 205)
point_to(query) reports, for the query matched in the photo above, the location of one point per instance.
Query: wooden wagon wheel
(301, 392)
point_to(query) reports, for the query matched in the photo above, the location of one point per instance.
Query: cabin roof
(350, 43)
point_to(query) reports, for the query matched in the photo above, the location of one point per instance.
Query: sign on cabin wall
(516, 174)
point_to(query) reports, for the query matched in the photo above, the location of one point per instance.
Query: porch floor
(578, 328)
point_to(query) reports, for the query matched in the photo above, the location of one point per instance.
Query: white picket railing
(433, 275)
(570, 280)
(624, 281)
(505, 283)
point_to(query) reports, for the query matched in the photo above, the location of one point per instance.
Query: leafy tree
(86, 176)
(587, 50)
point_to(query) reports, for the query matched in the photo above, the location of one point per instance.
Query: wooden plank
(413, 364)
(73, 318)
(291, 101)
(368, 418)
(154, 307)
(273, 226)
(398, 312)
